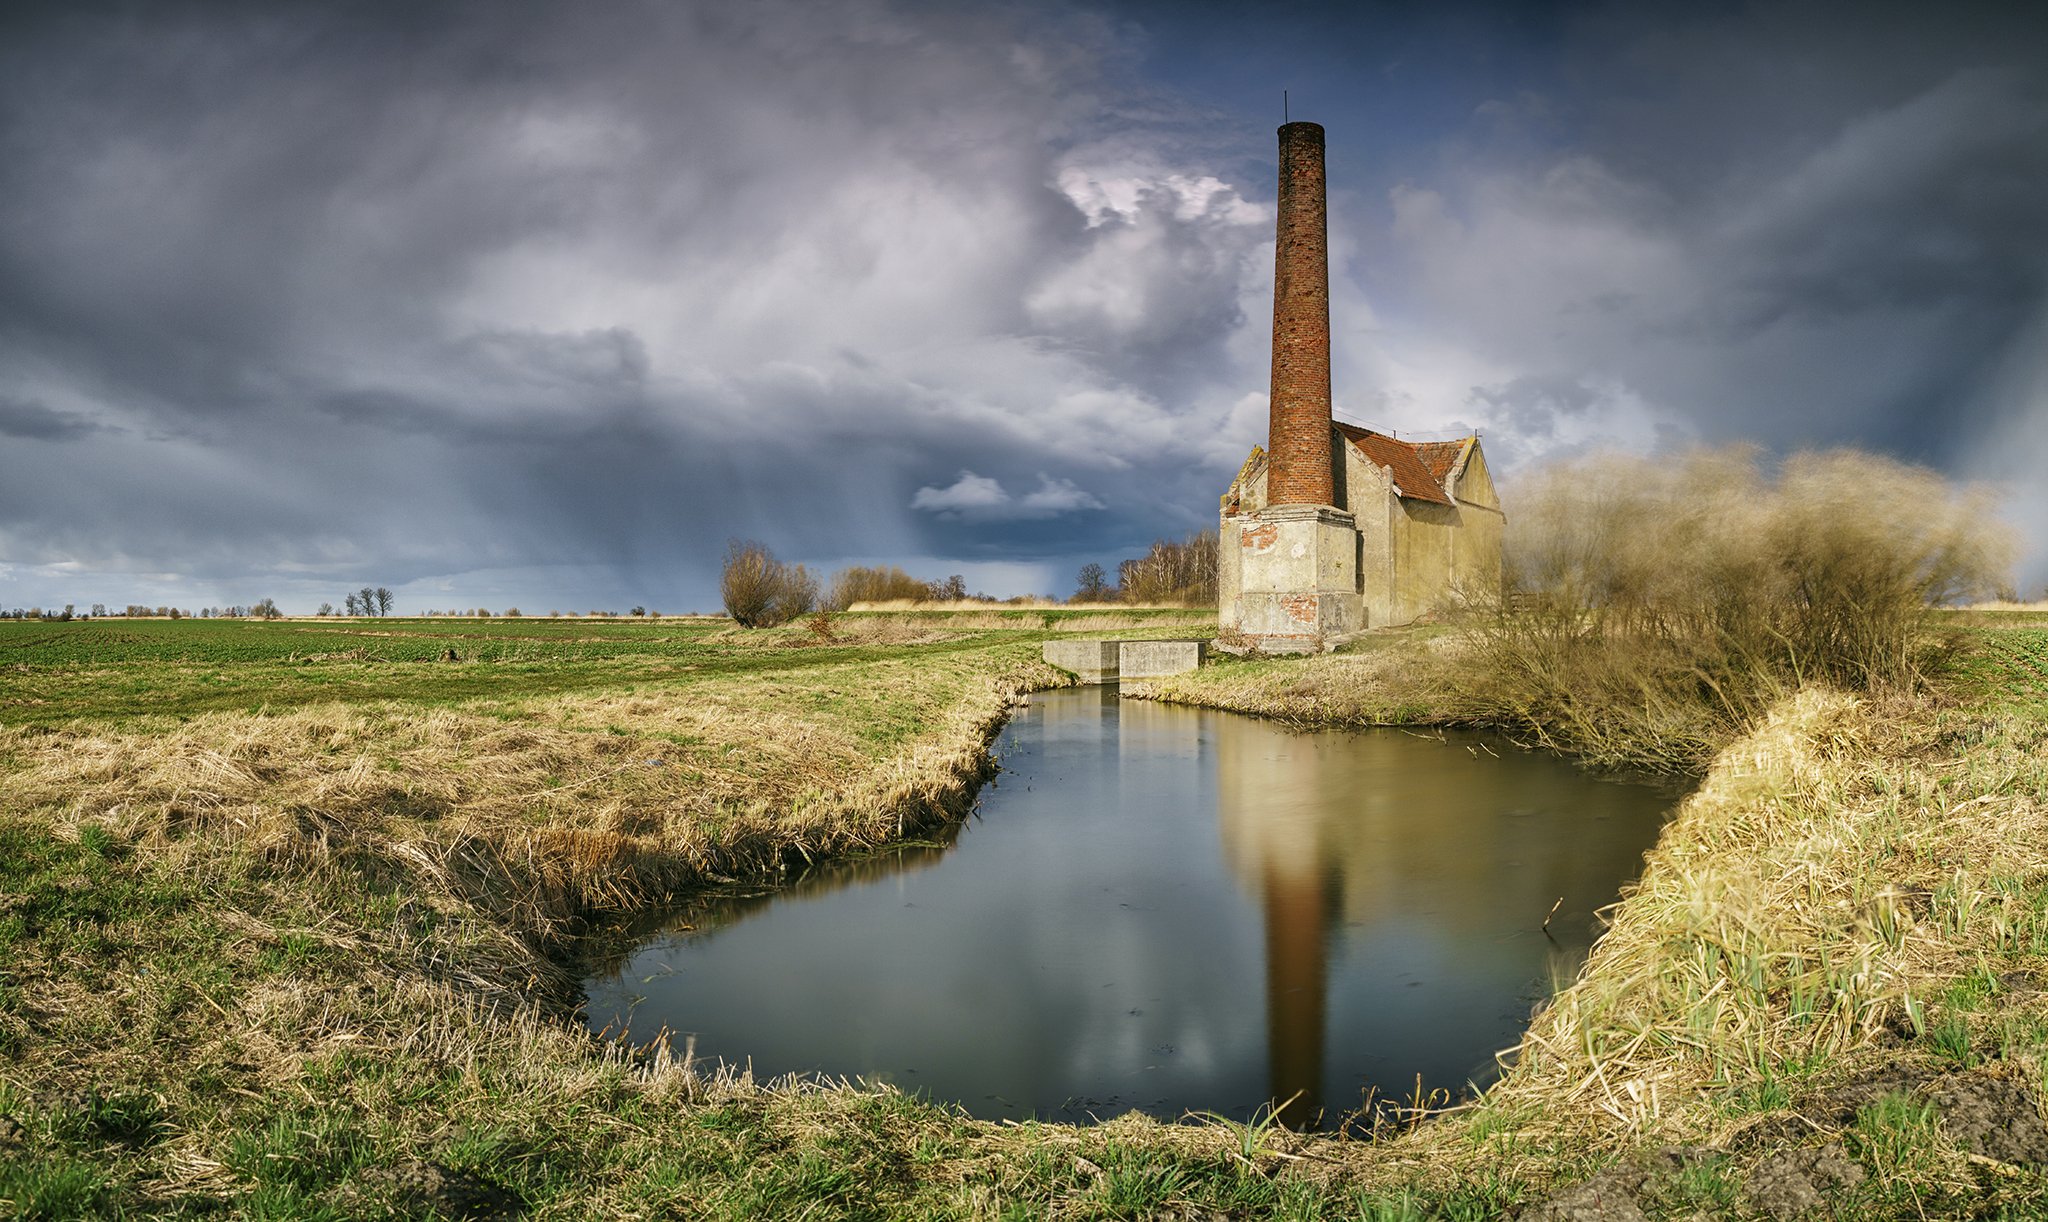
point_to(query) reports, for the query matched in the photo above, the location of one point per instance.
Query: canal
(1173, 910)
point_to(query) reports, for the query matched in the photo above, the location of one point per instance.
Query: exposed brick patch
(1301, 608)
(1299, 424)
(1259, 538)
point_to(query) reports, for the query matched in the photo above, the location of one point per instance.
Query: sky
(539, 304)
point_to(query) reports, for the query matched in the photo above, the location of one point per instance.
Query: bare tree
(747, 583)
(760, 591)
(266, 608)
(1093, 585)
(873, 585)
(383, 601)
(796, 594)
(1172, 572)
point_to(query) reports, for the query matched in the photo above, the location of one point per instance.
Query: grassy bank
(307, 959)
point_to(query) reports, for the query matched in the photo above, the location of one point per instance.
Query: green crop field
(120, 670)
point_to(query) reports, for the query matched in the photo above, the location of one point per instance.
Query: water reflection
(1364, 849)
(1170, 909)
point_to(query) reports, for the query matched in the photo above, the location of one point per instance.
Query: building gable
(1473, 483)
(1412, 477)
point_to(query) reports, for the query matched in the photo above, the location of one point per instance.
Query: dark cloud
(511, 287)
(519, 302)
(35, 422)
(1753, 224)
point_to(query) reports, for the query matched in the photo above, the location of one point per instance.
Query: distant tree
(747, 582)
(760, 591)
(267, 609)
(1093, 585)
(1181, 571)
(511, 613)
(383, 601)
(797, 595)
(352, 604)
(98, 609)
(326, 609)
(951, 590)
(366, 601)
(873, 585)
(66, 616)
(639, 612)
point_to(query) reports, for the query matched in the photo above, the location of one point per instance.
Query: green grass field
(289, 918)
(126, 670)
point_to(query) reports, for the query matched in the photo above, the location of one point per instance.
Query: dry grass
(578, 803)
(1655, 608)
(1025, 604)
(1851, 874)
(1390, 678)
(294, 965)
(1758, 941)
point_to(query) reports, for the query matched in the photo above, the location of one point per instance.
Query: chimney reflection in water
(1270, 805)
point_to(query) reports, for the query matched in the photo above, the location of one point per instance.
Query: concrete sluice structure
(1107, 661)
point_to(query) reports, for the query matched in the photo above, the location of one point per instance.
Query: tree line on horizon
(760, 591)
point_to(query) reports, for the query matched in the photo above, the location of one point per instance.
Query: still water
(1169, 909)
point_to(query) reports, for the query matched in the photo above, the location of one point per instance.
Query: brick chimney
(1298, 438)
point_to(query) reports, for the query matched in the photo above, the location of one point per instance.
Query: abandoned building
(1331, 528)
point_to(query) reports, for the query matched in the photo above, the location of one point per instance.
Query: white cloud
(1054, 496)
(970, 491)
(981, 498)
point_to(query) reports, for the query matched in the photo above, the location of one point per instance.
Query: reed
(1653, 609)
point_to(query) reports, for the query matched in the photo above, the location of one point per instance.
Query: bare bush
(872, 585)
(761, 591)
(1652, 607)
(796, 594)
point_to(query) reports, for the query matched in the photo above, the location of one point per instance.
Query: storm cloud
(541, 303)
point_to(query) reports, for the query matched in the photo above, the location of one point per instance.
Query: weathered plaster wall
(1425, 542)
(1372, 500)
(1443, 553)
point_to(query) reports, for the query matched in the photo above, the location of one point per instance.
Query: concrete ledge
(1091, 661)
(1152, 659)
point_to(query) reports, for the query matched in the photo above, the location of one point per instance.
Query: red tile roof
(1414, 473)
(1440, 456)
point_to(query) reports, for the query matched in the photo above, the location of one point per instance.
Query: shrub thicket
(761, 591)
(1653, 607)
(873, 585)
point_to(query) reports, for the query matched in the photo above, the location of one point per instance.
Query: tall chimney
(1298, 472)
